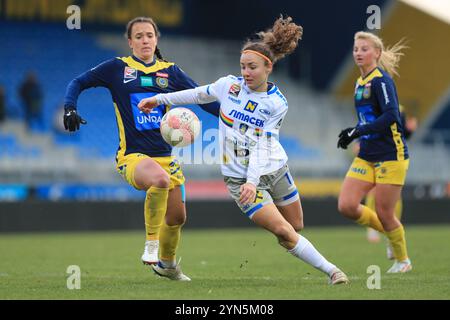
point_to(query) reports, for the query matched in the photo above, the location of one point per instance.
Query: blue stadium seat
(56, 61)
(295, 149)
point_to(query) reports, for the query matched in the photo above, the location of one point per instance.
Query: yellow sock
(155, 208)
(370, 203)
(369, 219)
(398, 243)
(168, 241)
(398, 209)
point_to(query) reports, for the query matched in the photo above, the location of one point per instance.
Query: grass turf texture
(224, 264)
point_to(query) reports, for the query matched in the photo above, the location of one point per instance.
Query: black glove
(72, 120)
(347, 136)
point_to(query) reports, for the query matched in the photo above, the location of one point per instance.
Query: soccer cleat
(338, 277)
(401, 267)
(150, 255)
(373, 236)
(170, 273)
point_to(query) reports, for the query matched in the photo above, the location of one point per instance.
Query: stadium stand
(47, 154)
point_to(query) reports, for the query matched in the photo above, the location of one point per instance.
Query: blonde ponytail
(390, 57)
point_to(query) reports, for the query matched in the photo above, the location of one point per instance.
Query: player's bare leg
(293, 213)
(271, 219)
(349, 204)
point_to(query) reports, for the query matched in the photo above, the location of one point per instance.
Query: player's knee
(161, 180)
(386, 217)
(287, 240)
(298, 225)
(283, 232)
(177, 220)
(384, 209)
(347, 208)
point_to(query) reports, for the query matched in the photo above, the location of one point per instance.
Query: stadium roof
(439, 9)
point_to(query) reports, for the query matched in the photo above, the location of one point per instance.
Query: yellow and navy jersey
(130, 80)
(379, 121)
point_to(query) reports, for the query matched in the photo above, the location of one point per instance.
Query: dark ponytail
(159, 55)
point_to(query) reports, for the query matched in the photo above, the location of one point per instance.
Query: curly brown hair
(278, 41)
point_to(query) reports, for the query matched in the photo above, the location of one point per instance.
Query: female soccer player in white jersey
(254, 162)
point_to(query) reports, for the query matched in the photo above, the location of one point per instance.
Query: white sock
(304, 250)
(168, 263)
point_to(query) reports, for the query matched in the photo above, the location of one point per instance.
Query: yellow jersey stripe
(374, 74)
(122, 141)
(398, 142)
(159, 65)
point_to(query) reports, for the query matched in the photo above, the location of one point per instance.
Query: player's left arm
(384, 91)
(98, 76)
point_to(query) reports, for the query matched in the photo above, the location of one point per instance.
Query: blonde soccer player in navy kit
(383, 159)
(254, 162)
(143, 158)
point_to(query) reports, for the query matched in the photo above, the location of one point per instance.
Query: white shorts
(277, 187)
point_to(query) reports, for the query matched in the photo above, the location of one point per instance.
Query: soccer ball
(180, 127)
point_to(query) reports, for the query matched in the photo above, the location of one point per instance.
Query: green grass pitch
(223, 264)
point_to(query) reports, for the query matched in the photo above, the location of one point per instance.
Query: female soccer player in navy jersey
(143, 158)
(383, 159)
(254, 162)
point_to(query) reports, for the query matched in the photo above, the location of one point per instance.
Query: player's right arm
(199, 95)
(96, 77)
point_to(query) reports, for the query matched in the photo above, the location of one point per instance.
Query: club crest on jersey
(235, 89)
(243, 128)
(366, 91)
(251, 106)
(129, 74)
(162, 82)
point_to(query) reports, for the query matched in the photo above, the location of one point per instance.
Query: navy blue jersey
(129, 80)
(379, 121)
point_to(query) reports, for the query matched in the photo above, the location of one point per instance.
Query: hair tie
(259, 54)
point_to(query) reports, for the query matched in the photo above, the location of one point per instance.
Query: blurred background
(54, 180)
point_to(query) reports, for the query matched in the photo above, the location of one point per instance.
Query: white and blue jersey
(249, 125)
